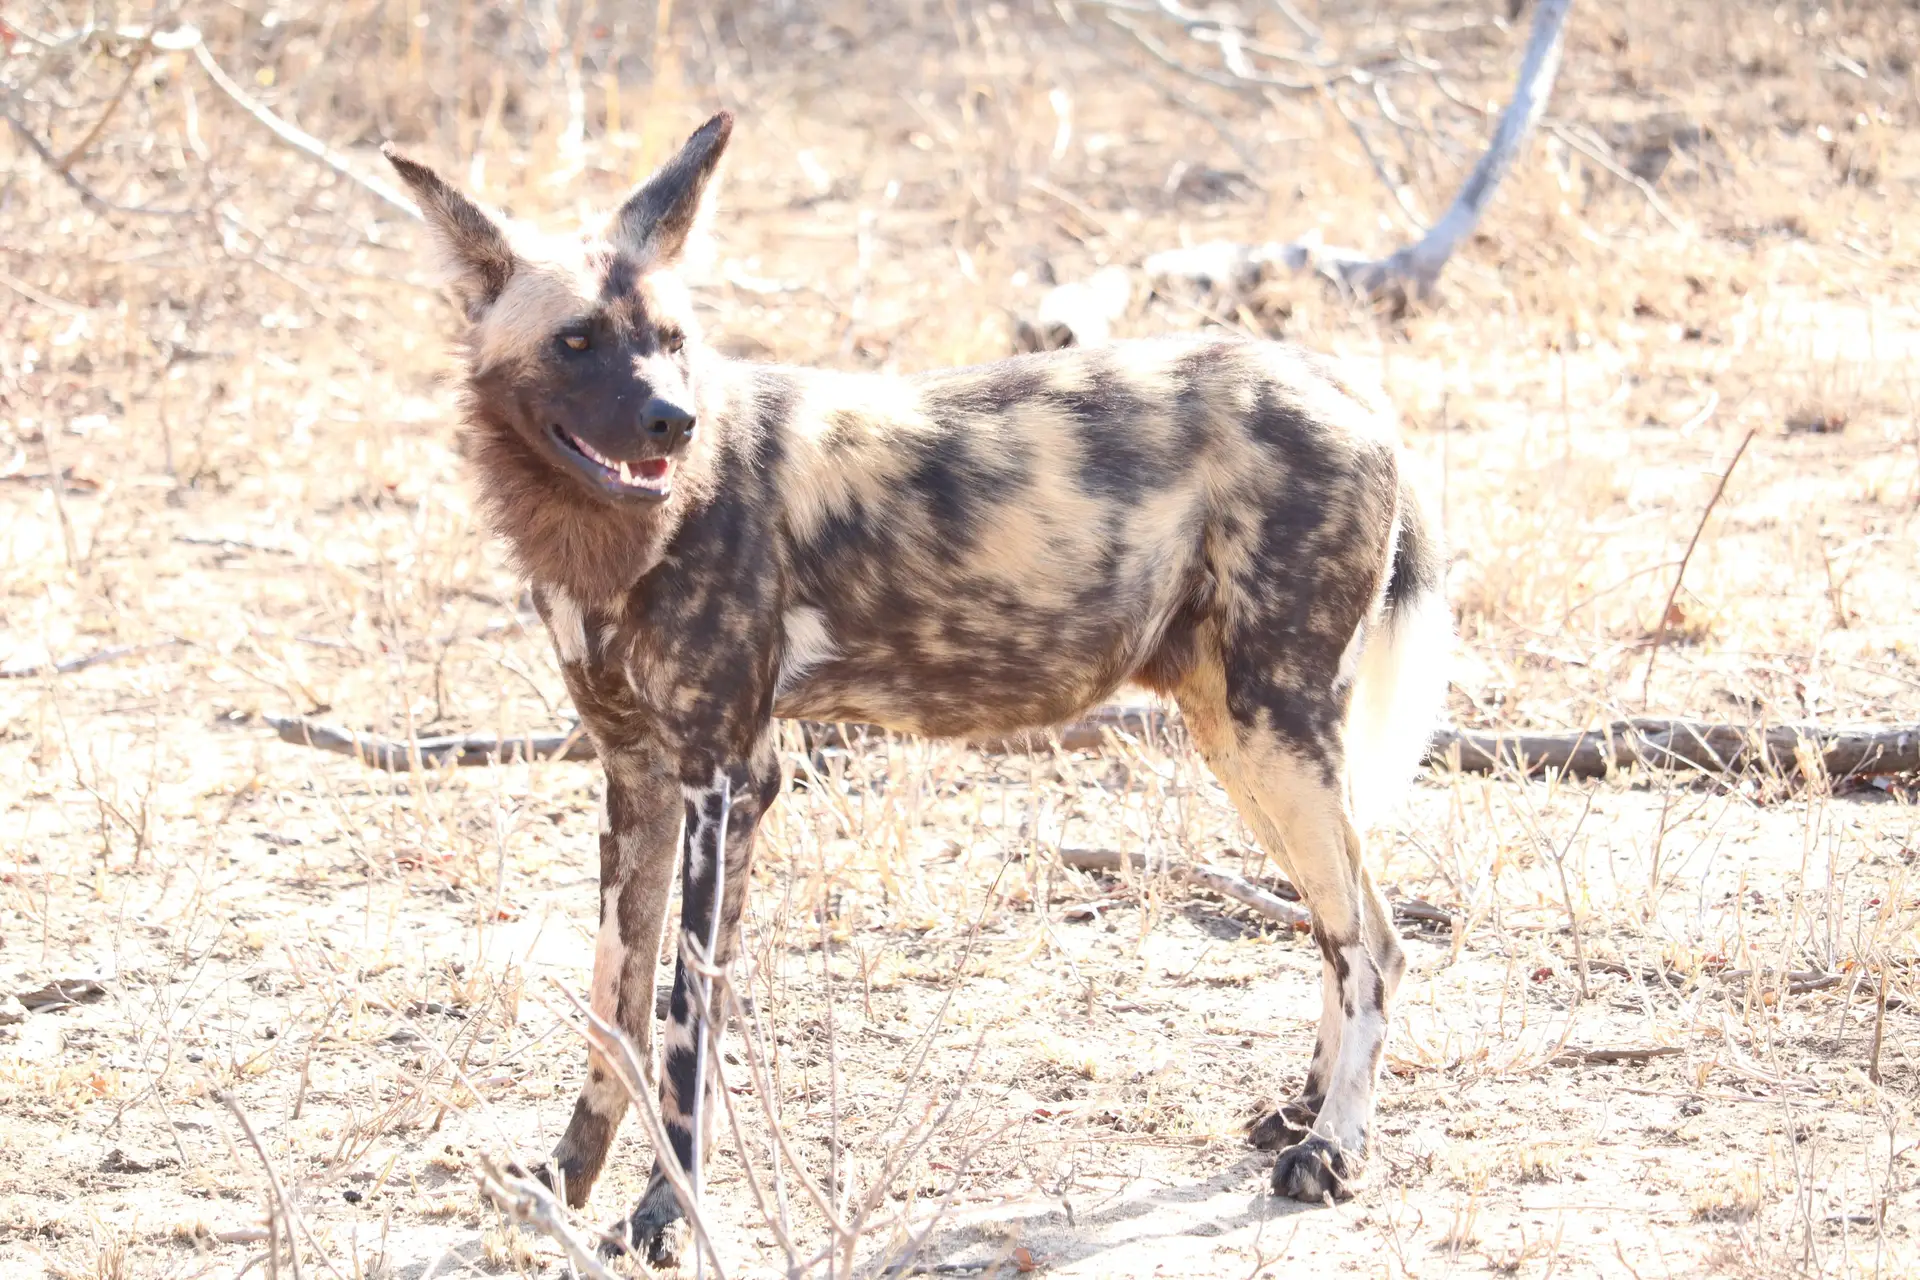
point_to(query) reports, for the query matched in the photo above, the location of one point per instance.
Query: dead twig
(525, 1201)
(137, 60)
(617, 1050)
(1666, 611)
(1588, 148)
(88, 196)
(1879, 1029)
(280, 1216)
(46, 300)
(1402, 193)
(1185, 101)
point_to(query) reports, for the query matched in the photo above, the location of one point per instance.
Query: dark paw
(656, 1232)
(1315, 1171)
(1283, 1127)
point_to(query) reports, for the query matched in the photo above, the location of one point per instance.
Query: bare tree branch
(187, 37)
(88, 196)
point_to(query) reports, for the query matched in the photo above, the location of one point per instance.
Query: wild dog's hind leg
(1203, 706)
(657, 1227)
(638, 844)
(1277, 752)
(1298, 789)
(1291, 1122)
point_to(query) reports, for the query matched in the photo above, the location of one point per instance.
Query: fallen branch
(1684, 745)
(1224, 883)
(1582, 1057)
(68, 666)
(467, 750)
(1651, 742)
(463, 750)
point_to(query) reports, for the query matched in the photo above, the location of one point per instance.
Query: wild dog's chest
(609, 676)
(678, 669)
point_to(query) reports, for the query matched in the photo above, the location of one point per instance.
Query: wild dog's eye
(671, 340)
(575, 341)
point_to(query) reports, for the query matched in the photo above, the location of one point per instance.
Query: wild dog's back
(979, 550)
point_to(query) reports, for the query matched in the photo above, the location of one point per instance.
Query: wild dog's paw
(580, 1154)
(1287, 1124)
(1316, 1170)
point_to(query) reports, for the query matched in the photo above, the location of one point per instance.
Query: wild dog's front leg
(638, 844)
(718, 855)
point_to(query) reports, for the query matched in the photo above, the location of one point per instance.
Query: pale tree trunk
(1417, 267)
(1410, 272)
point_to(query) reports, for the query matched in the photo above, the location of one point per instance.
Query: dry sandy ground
(1092, 1070)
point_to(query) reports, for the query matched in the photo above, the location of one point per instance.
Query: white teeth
(655, 484)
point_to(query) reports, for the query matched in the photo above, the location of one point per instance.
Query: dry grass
(226, 437)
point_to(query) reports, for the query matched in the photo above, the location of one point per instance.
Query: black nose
(667, 421)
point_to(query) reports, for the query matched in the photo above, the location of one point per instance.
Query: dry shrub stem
(614, 1045)
(1680, 576)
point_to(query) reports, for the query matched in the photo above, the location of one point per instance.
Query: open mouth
(648, 478)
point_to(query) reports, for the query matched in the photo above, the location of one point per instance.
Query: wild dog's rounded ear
(657, 220)
(474, 253)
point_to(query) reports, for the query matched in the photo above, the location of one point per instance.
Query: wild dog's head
(581, 359)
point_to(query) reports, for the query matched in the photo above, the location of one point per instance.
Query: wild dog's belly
(965, 666)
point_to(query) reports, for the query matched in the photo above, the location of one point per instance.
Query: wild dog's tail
(1401, 679)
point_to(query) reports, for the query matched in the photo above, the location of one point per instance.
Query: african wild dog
(972, 552)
